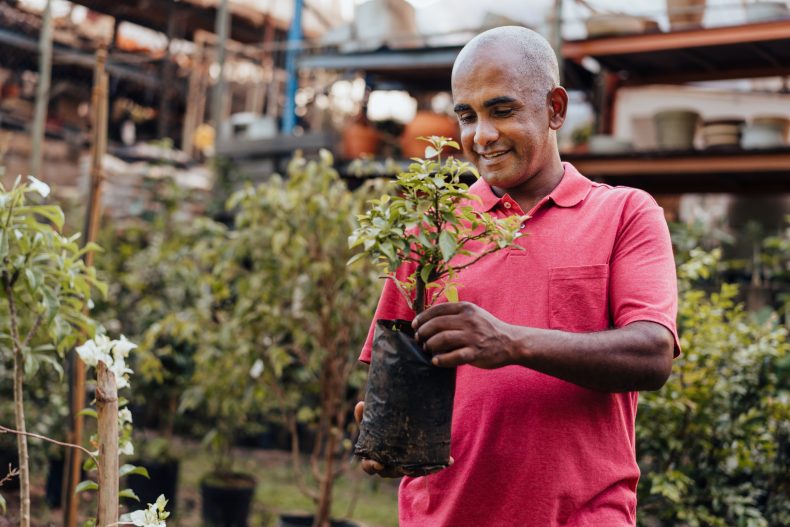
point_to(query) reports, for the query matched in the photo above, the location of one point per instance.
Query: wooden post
(100, 108)
(42, 90)
(193, 117)
(218, 95)
(163, 121)
(107, 407)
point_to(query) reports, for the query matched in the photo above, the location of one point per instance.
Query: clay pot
(360, 138)
(722, 133)
(685, 14)
(675, 129)
(766, 132)
(425, 124)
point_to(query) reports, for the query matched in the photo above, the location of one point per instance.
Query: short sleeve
(391, 306)
(643, 282)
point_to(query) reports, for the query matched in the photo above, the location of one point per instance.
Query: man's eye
(465, 119)
(502, 112)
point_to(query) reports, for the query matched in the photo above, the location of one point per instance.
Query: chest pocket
(578, 298)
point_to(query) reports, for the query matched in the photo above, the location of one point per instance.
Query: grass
(375, 504)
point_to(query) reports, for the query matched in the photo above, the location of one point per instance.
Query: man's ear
(558, 107)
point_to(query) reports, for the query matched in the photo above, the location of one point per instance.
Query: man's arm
(635, 357)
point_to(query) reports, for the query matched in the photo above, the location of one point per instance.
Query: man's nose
(485, 133)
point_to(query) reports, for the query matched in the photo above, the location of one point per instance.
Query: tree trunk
(107, 405)
(19, 407)
(325, 498)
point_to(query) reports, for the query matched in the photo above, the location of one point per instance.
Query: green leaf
(127, 469)
(430, 152)
(89, 412)
(85, 486)
(2, 504)
(451, 293)
(425, 273)
(447, 245)
(128, 494)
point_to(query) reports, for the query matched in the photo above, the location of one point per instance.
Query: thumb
(358, 409)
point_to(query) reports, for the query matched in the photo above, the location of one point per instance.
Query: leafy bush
(714, 443)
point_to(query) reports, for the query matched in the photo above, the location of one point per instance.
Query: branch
(33, 329)
(475, 260)
(5, 430)
(12, 473)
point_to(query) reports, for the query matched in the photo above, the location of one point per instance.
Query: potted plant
(304, 311)
(422, 238)
(45, 287)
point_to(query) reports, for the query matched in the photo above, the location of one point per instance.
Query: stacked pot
(766, 131)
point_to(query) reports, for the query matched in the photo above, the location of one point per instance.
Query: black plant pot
(163, 480)
(408, 404)
(227, 498)
(306, 520)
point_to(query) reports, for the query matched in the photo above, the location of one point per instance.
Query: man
(552, 342)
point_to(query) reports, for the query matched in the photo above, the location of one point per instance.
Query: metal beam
(778, 30)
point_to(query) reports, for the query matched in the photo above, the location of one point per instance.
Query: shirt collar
(573, 188)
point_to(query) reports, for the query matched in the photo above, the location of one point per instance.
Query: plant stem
(87, 452)
(19, 408)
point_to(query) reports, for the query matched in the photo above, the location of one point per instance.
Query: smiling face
(508, 113)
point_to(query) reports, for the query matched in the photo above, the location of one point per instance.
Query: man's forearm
(635, 357)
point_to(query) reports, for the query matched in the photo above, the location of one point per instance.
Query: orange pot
(360, 138)
(423, 125)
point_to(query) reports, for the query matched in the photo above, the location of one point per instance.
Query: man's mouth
(493, 155)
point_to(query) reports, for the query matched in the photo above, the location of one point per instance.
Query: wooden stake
(100, 107)
(107, 406)
(42, 90)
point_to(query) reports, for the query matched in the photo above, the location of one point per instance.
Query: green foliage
(44, 275)
(430, 223)
(714, 443)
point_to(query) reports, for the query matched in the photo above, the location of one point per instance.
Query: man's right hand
(374, 467)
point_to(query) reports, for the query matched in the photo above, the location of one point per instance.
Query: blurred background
(686, 99)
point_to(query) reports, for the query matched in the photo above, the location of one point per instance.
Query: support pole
(294, 41)
(100, 108)
(42, 90)
(218, 95)
(556, 37)
(107, 407)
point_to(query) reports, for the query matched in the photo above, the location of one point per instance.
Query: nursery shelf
(738, 171)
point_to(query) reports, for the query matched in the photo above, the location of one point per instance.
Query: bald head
(533, 54)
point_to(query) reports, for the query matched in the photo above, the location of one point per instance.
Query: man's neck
(536, 188)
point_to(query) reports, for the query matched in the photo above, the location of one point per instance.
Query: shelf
(739, 171)
(419, 69)
(744, 51)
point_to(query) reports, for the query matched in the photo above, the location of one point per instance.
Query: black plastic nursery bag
(408, 404)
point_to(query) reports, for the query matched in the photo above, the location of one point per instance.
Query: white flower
(39, 186)
(112, 353)
(123, 347)
(154, 516)
(124, 416)
(257, 369)
(126, 448)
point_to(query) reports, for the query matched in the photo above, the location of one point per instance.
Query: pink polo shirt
(530, 449)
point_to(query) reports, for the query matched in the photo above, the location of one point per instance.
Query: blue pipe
(294, 41)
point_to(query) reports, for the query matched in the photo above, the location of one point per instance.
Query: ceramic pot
(722, 133)
(360, 138)
(764, 11)
(426, 124)
(685, 14)
(675, 129)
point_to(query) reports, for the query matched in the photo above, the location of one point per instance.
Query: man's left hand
(463, 333)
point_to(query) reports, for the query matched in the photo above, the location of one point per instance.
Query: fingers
(455, 358)
(358, 410)
(438, 310)
(445, 341)
(375, 468)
